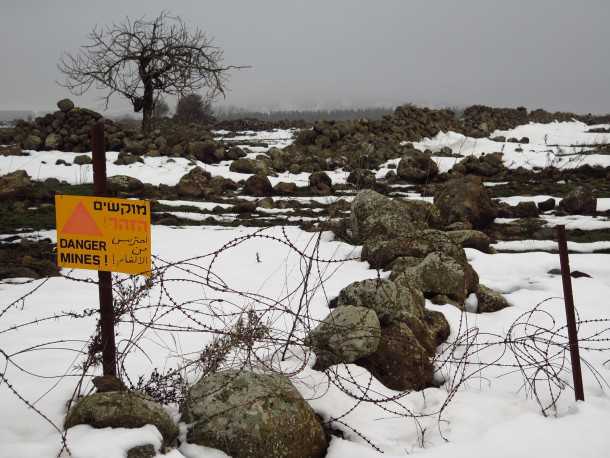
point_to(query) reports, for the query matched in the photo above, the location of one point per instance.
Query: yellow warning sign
(102, 233)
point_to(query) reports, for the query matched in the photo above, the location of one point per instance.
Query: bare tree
(141, 59)
(193, 108)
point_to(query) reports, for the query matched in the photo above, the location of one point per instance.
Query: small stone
(82, 159)
(65, 105)
(107, 383)
(490, 300)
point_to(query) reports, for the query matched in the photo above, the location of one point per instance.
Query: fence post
(570, 315)
(98, 149)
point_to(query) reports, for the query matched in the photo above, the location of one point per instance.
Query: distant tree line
(232, 113)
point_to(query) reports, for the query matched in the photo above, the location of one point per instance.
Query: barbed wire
(247, 330)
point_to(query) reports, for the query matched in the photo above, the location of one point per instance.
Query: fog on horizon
(343, 53)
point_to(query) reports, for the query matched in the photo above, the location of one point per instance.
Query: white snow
(550, 245)
(571, 139)
(582, 222)
(479, 415)
(192, 203)
(492, 414)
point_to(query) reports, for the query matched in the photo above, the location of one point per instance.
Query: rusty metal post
(98, 149)
(571, 318)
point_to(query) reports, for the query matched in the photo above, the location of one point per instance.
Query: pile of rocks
(68, 130)
(481, 120)
(65, 130)
(383, 325)
(365, 144)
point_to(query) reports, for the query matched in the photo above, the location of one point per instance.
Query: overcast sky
(326, 53)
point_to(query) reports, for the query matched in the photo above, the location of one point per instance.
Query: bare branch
(144, 59)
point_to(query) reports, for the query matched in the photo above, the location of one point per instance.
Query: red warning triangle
(81, 223)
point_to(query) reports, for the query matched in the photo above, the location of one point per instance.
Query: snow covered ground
(489, 410)
(558, 144)
(491, 414)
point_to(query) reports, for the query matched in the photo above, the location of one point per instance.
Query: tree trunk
(148, 104)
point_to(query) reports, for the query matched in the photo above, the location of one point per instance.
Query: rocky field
(350, 288)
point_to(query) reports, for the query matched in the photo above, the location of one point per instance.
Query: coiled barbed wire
(251, 331)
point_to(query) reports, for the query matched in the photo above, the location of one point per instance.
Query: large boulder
(417, 244)
(247, 415)
(439, 274)
(374, 216)
(417, 167)
(390, 301)
(121, 409)
(258, 186)
(579, 201)
(320, 183)
(14, 184)
(194, 183)
(465, 200)
(400, 362)
(346, 334)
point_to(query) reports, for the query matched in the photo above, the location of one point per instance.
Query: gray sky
(326, 53)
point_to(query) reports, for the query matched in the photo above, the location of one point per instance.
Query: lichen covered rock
(439, 273)
(417, 244)
(121, 409)
(249, 415)
(490, 300)
(346, 334)
(374, 216)
(389, 301)
(400, 362)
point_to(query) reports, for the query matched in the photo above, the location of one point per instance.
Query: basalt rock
(320, 183)
(579, 201)
(247, 414)
(486, 165)
(14, 184)
(381, 254)
(489, 300)
(374, 216)
(400, 362)
(390, 301)
(258, 186)
(194, 183)
(417, 167)
(121, 409)
(465, 200)
(349, 332)
(362, 179)
(439, 274)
